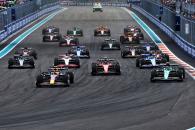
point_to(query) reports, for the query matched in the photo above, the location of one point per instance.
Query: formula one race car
(26, 52)
(97, 7)
(19, 61)
(134, 30)
(102, 31)
(80, 51)
(106, 66)
(50, 30)
(151, 60)
(69, 41)
(148, 46)
(130, 52)
(137, 50)
(75, 32)
(55, 77)
(51, 38)
(110, 44)
(168, 72)
(67, 60)
(129, 38)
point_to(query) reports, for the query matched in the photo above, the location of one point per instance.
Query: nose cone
(105, 68)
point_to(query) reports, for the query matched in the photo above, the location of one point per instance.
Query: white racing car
(97, 7)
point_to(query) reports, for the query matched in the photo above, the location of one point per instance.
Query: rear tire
(44, 39)
(118, 71)
(10, 63)
(140, 64)
(137, 62)
(77, 62)
(95, 33)
(94, 71)
(122, 39)
(38, 81)
(181, 74)
(71, 77)
(122, 54)
(56, 62)
(152, 77)
(109, 34)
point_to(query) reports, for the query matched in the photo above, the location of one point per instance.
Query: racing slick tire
(32, 63)
(87, 53)
(125, 30)
(167, 57)
(181, 74)
(137, 62)
(38, 81)
(94, 71)
(152, 76)
(140, 64)
(71, 77)
(118, 46)
(77, 62)
(10, 63)
(102, 47)
(95, 33)
(122, 39)
(56, 62)
(34, 54)
(141, 36)
(123, 54)
(43, 39)
(81, 32)
(118, 71)
(109, 33)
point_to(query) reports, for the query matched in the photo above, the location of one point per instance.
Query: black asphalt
(126, 102)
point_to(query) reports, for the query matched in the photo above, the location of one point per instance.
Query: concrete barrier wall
(20, 23)
(186, 46)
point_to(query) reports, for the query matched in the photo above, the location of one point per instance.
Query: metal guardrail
(18, 24)
(187, 47)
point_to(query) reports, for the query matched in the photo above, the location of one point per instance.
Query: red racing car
(106, 66)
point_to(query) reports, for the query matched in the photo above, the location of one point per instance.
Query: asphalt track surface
(126, 102)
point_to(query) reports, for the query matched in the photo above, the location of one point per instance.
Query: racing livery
(137, 50)
(26, 52)
(129, 38)
(51, 37)
(50, 30)
(69, 41)
(75, 32)
(80, 51)
(55, 77)
(67, 60)
(97, 7)
(148, 46)
(51, 34)
(134, 30)
(168, 72)
(131, 52)
(102, 31)
(151, 60)
(19, 61)
(110, 44)
(106, 66)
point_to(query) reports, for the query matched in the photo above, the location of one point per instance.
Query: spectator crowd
(4, 4)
